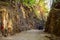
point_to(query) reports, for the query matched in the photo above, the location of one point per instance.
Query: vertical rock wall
(53, 20)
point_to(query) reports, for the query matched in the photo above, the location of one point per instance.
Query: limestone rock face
(16, 20)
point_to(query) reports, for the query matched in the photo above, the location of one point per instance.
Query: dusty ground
(27, 35)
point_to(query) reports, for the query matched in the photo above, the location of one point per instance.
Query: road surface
(27, 35)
